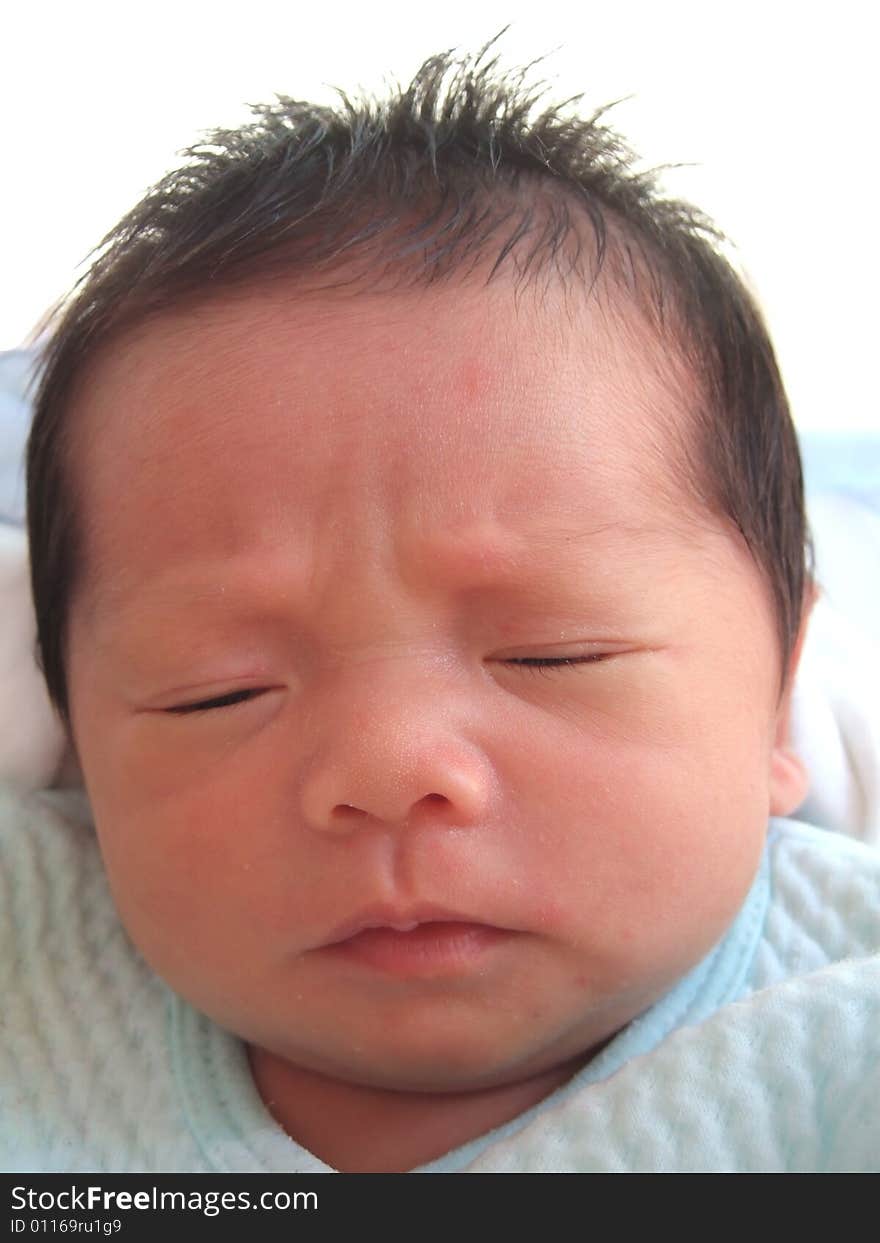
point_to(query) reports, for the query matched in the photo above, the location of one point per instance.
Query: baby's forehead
(439, 394)
(462, 333)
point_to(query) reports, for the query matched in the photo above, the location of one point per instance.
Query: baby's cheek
(164, 866)
(647, 855)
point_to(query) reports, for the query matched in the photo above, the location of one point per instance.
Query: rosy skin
(367, 508)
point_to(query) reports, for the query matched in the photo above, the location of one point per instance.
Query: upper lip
(399, 919)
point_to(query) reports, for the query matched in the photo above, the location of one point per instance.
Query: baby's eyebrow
(461, 561)
(537, 560)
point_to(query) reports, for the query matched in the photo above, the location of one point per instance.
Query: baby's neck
(357, 1129)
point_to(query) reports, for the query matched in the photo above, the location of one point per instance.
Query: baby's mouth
(430, 943)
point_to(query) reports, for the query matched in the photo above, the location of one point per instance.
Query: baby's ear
(789, 780)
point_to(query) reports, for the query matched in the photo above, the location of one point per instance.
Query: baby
(420, 565)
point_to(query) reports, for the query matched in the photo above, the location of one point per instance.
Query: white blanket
(32, 742)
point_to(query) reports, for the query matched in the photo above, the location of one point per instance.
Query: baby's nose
(394, 754)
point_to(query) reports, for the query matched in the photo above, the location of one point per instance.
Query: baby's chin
(444, 1069)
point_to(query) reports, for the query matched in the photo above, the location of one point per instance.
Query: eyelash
(220, 701)
(535, 664)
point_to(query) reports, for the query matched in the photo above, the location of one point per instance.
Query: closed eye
(544, 663)
(219, 701)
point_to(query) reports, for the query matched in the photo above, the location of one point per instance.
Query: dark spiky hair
(464, 171)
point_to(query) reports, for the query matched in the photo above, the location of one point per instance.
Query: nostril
(344, 811)
(345, 814)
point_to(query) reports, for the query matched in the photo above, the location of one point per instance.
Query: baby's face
(329, 543)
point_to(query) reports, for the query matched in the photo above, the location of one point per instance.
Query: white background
(775, 105)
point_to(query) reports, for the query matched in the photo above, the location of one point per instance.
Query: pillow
(32, 741)
(15, 369)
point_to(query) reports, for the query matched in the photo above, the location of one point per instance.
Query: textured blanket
(785, 1081)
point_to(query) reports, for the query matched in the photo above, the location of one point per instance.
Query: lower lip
(428, 949)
